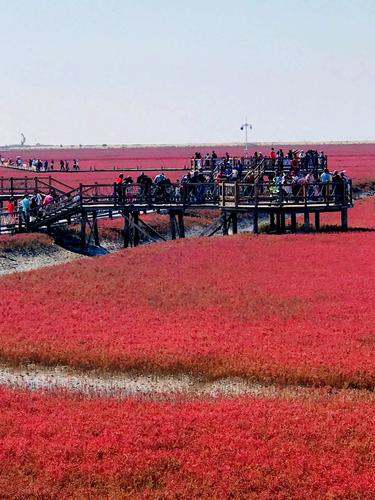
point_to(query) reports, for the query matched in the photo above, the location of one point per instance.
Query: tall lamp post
(246, 126)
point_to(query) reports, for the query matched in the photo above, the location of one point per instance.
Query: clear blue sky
(173, 71)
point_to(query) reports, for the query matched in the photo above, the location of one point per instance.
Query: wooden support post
(317, 221)
(135, 228)
(172, 223)
(234, 223)
(282, 222)
(225, 224)
(95, 228)
(306, 221)
(344, 219)
(126, 230)
(256, 220)
(181, 225)
(83, 231)
(293, 222)
(272, 221)
(278, 222)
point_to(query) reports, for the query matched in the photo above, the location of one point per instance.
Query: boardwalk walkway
(87, 202)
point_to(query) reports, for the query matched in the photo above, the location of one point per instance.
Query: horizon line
(178, 145)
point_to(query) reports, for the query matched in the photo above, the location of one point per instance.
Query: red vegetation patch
(54, 447)
(296, 308)
(24, 241)
(361, 217)
(357, 159)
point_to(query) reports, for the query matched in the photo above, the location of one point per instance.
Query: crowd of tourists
(284, 174)
(38, 165)
(30, 205)
(276, 160)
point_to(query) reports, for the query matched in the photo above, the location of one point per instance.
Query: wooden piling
(181, 225)
(126, 230)
(136, 228)
(282, 222)
(306, 221)
(172, 223)
(293, 222)
(225, 224)
(95, 228)
(344, 219)
(256, 222)
(317, 221)
(278, 222)
(83, 231)
(234, 223)
(272, 221)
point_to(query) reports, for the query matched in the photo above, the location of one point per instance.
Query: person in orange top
(10, 210)
(10, 206)
(119, 187)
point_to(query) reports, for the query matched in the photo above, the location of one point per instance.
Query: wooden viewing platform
(86, 203)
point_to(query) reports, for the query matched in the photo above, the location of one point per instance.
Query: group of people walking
(38, 165)
(29, 205)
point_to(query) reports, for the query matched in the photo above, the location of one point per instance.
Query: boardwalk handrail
(225, 195)
(262, 194)
(18, 186)
(268, 194)
(8, 221)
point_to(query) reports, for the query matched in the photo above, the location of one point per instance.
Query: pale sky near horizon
(169, 71)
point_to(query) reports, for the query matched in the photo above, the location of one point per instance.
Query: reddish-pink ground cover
(24, 240)
(56, 447)
(357, 159)
(296, 308)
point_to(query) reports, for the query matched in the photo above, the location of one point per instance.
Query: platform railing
(19, 186)
(268, 194)
(8, 221)
(154, 194)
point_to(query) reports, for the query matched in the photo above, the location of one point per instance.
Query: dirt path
(91, 384)
(27, 259)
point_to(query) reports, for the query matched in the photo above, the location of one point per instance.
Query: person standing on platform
(119, 188)
(25, 209)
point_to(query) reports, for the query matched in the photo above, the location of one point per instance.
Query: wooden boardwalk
(88, 202)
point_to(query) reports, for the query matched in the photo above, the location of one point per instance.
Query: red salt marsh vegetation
(24, 241)
(357, 159)
(290, 309)
(66, 447)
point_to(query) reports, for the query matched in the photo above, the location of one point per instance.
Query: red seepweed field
(62, 447)
(358, 159)
(292, 310)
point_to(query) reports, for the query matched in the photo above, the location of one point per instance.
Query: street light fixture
(245, 126)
